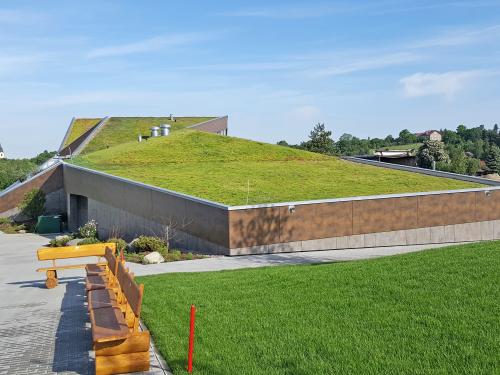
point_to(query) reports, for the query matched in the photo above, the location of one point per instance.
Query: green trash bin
(48, 224)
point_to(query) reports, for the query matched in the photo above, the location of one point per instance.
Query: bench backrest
(132, 292)
(111, 259)
(65, 252)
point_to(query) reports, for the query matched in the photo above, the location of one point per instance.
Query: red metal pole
(191, 339)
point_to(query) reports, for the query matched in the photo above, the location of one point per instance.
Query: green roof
(236, 171)
(79, 127)
(119, 130)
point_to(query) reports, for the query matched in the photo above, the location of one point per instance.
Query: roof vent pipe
(154, 131)
(164, 130)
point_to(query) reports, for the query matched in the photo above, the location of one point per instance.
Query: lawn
(435, 312)
(236, 171)
(119, 130)
(80, 126)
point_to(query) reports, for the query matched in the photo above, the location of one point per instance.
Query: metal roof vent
(164, 130)
(155, 131)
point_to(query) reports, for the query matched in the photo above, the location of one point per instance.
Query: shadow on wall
(257, 227)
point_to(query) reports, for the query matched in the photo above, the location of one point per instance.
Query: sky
(368, 68)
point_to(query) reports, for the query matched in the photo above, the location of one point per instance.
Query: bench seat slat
(95, 269)
(98, 299)
(108, 324)
(95, 282)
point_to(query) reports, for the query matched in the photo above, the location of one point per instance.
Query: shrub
(60, 241)
(6, 220)
(33, 203)
(121, 244)
(89, 241)
(150, 244)
(88, 230)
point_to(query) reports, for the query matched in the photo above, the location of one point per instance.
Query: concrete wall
(131, 208)
(216, 125)
(457, 233)
(278, 224)
(49, 181)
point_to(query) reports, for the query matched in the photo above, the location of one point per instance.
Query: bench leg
(128, 355)
(122, 363)
(51, 281)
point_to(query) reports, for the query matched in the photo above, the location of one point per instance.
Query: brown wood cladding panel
(384, 215)
(446, 209)
(48, 182)
(487, 205)
(253, 227)
(314, 221)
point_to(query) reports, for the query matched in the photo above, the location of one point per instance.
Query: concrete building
(432, 135)
(130, 208)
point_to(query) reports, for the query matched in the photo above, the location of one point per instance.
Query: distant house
(432, 135)
(2, 155)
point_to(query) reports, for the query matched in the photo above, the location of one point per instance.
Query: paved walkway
(252, 261)
(47, 331)
(43, 331)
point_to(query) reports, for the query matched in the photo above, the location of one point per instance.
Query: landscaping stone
(74, 242)
(153, 258)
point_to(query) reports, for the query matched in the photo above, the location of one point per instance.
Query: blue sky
(276, 68)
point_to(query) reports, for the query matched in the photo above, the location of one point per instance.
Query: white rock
(153, 258)
(74, 242)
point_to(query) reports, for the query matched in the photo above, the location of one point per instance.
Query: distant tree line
(461, 151)
(12, 170)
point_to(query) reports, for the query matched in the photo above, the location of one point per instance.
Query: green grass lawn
(433, 312)
(126, 129)
(80, 126)
(230, 170)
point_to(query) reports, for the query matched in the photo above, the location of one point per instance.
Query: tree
(432, 151)
(493, 159)
(473, 166)
(283, 143)
(43, 157)
(405, 137)
(320, 141)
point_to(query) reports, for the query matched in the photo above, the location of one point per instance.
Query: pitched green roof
(78, 127)
(119, 130)
(236, 171)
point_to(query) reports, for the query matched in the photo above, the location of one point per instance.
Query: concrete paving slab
(43, 331)
(263, 260)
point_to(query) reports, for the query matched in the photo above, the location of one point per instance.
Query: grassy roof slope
(80, 126)
(119, 130)
(228, 170)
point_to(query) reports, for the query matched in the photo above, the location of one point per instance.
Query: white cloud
(16, 16)
(10, 63)
(291, 11)
(151, 44)
(446, 84)
(366, 63)
(460, 37)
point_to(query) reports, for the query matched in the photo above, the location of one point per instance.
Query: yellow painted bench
(69, 252)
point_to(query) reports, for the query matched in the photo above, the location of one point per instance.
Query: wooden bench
(119, 345)
(69, 252)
